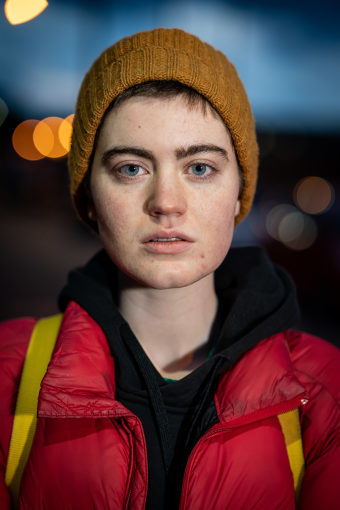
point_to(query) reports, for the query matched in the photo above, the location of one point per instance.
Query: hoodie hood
(256, 300)
(258, 297)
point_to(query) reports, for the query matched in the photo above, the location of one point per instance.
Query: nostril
(166, 209)
(166, 204)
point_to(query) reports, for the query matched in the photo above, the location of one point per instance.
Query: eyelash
(204, 177)
(119, 175)
(125, 177)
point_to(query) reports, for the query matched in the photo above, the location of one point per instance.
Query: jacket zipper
(132, 474)
(126, 506)
(133, 468)
(190, 460)
(293, 404)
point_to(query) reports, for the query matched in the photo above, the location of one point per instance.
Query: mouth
(167, 243)
(167, 237)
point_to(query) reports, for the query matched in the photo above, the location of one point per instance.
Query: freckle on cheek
(202, 256)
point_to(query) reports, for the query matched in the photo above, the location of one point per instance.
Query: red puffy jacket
(89, 451)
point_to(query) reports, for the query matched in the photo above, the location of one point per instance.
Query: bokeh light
(43, 138)
(274, 218)
(313, 195)
(3, 111)
(288, 225)
(20, 11)
(307, 236)
(65, 132)
(46, 138)
(22, 140)
(50, 137)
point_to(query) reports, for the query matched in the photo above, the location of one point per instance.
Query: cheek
(220, 220)
(113, 217)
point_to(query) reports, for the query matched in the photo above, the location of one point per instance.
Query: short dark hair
(166, 89)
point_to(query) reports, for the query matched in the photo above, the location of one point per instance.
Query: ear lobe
(91, 212)
(237, 208)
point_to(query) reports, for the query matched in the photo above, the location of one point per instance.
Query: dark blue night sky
(288, 55)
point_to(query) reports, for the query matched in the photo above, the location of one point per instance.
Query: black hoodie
(256, 300)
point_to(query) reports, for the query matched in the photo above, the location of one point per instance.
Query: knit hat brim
(163, 54)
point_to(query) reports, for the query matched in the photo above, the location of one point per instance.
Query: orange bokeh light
(22, 140)
(43, 138)
(313, 195)
(20, 11)
(46, 138)
(50, 137)
(65, 132)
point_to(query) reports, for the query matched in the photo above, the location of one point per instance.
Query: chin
(166, 280)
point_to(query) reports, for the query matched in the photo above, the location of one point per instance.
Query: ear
(91, 211)
(237, 208)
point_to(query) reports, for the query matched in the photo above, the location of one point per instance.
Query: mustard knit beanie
(162, 54)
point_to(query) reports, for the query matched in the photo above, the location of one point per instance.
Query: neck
(173, 325)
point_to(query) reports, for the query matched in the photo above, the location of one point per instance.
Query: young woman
(175, 359)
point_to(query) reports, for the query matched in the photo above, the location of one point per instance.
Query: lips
(167, 237)
(167, 243)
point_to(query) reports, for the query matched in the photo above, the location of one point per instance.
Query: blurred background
(288, 56)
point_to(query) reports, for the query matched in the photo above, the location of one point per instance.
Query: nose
(167, 196)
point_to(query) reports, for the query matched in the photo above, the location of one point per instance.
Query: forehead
(166, 120)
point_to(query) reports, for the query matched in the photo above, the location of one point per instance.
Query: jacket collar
(263, 383)
(80, 380)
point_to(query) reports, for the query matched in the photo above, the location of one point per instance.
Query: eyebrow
(196, 149)
(181, 153)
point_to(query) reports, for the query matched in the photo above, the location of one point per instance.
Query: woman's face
(165, 187)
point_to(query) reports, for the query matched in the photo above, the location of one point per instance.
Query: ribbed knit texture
(163, 54)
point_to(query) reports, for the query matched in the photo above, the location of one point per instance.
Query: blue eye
(200, 169)
(130, 170)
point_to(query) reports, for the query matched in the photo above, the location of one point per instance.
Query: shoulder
(317, 365)
(316, 359)
(14, 339)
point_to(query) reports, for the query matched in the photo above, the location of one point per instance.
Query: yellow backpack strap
(38, 356)
(290, 425)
